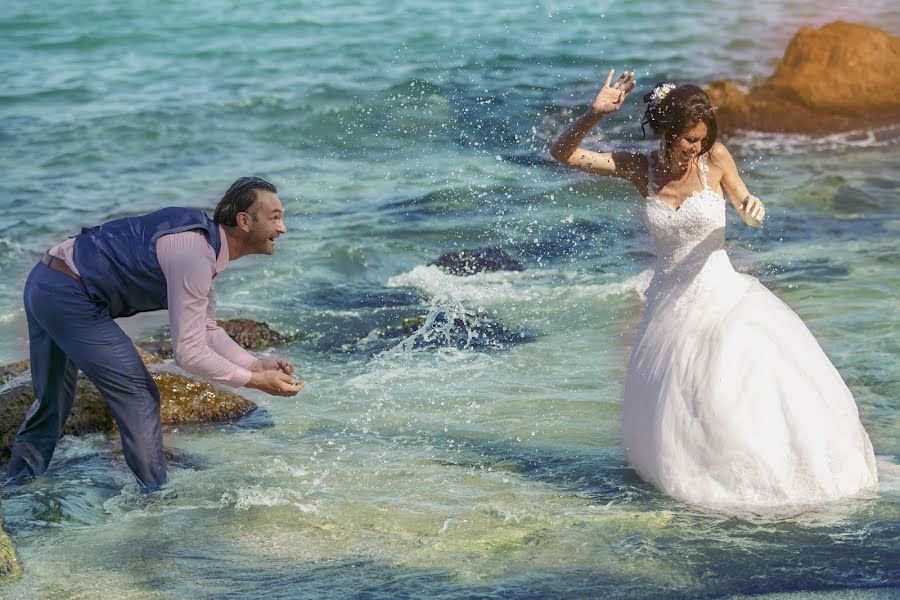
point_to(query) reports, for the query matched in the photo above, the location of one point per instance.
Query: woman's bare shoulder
(720, 152)
(720, 158)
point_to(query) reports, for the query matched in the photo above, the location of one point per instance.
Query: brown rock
(185, 400)
(147, 357)
(182, 400)
(89, 412)
(841, 68)
(247, 333)
(10, 567)
(841, 76)
(13, 370)
(251, 334)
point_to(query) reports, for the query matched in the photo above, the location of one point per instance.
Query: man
(165, 259)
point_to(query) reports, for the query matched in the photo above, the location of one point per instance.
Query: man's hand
(275, 382)
(277, 364)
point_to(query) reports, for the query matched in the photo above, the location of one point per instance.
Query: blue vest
(117, 260)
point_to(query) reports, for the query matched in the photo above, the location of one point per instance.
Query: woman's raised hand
(611, 97)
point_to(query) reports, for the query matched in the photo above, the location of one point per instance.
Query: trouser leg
(122, 379)
(86, 334)
(53, 378)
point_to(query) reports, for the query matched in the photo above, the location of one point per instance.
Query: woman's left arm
(751, 208)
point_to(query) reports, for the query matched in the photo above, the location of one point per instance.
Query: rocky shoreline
(840, 77)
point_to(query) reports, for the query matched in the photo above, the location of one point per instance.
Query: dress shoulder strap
(704, 169)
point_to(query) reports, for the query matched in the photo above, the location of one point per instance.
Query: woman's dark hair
(682, 108)
(239, 198)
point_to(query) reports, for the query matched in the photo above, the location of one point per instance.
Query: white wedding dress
(730, 403)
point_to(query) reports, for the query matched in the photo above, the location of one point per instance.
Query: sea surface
(396, 131)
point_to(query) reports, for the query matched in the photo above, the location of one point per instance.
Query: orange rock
(841, 76)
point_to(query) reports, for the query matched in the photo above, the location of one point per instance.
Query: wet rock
(10, 371)
(147, 357)
(186, 400)
(474, 331)
(89, 412)
(404, 328)
(839, 77)
(252, 334)
(10, 567)
(13, 370)
(483, 260)
(247, 333)
(183, 400)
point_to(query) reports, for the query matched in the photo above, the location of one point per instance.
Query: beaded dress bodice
(686, 237)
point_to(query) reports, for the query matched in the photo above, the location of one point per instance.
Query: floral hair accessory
(660, 92)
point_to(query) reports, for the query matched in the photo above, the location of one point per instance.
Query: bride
(730, 403)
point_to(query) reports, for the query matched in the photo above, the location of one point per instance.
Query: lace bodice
(685, 238)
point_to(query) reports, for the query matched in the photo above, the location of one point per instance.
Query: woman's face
(687, 146)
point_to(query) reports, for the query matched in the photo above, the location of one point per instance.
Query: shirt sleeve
(222, 343)
(188, 262)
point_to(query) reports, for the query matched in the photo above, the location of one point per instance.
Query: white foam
(246, 498)
(279, 466)
(435, 282)
(398, 367)
(11, 316)
(522, 286)
(77, 446)
(795, 143)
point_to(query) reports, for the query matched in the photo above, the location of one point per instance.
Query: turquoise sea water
(397, 131)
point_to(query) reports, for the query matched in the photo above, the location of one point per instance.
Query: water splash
(446, 324)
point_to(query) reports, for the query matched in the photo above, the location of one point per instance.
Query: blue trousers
(68, 331)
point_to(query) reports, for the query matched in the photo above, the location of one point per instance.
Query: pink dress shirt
(199, 344)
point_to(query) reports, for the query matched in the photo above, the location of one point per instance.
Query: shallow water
(397, 132)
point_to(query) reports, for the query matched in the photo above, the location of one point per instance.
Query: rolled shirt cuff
(241, 377)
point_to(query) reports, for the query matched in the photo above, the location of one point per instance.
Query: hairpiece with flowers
(660, 92)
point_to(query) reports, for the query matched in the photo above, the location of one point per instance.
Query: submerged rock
(483, 260)
(247, 333)
(839, 77)
(182, 400)
(404, 328)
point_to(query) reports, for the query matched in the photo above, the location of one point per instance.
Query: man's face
(266, 223)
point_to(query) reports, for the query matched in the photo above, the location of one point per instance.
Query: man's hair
(239, 198)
